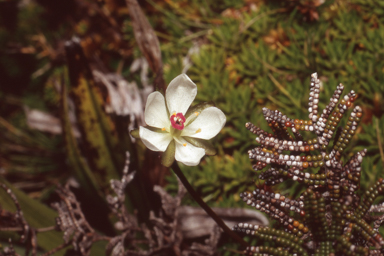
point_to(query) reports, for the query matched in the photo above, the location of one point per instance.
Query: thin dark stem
(379, 140)
(60, 247)
(206, 208)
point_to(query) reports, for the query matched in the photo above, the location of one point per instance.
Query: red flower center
(177, 121)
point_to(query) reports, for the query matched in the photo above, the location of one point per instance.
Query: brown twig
(12, 229)
(46, 229)
(101, 238)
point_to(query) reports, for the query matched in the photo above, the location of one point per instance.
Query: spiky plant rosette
(329, 217)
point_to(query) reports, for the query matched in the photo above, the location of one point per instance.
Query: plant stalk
(207, 209)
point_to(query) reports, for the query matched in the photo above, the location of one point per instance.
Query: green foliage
(253, 61)
(30, 207)
(373, 140)
(244, 55)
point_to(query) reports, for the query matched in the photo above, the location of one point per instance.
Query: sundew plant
(191, 128)
(329, 217)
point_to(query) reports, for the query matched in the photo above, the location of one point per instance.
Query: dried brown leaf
(146, 40)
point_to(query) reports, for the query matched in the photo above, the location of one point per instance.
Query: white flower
(169, 120)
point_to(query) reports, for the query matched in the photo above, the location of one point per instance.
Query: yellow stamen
(197, 113)
(185, 144)
(163, 129)
(174, 113)
(198, 130)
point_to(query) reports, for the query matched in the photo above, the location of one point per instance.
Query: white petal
(155, 141)
(207, 125)
(180, 93)
(188, 154)
(156, 112)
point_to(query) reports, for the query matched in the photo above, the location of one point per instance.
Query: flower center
(177, 121)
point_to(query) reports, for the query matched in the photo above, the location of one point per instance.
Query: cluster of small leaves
(330, 216)
(256, 56)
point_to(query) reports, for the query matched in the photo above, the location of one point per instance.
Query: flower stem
(207, 209)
